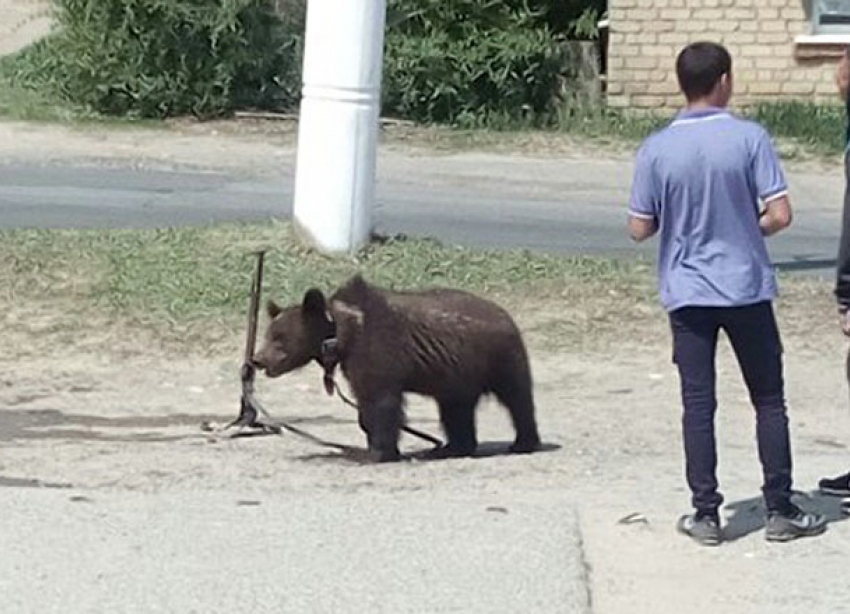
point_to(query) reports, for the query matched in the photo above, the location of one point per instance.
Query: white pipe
(338, 122)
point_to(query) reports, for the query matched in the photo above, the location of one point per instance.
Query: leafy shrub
(467, 62)
(464, 62)
(157, 58)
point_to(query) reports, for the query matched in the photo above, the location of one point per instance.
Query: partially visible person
(698, 183)
(840, 486)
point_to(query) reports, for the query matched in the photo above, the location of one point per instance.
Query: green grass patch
(183, 279)
(24, 98)
(813, 128)
(607, 122)
(802, 128)
(188, 289)
(816, 127)
(20, 101)
(25, 104)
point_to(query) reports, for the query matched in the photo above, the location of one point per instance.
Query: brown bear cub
(446, 344)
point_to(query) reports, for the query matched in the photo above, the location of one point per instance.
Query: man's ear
(313, 303)
(273, 309)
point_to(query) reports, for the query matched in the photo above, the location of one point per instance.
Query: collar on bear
(329, 356)
(329, 359)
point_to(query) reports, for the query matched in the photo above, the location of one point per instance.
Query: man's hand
(642, 228)
(776, 216)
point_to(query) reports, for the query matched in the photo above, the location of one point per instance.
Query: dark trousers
(842, 269)
(754, 335)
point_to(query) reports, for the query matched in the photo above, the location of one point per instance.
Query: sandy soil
(128, 418)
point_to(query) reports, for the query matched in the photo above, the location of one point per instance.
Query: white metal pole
(338, 122)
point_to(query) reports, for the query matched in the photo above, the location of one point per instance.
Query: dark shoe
(839, 487)
(793, 523)
(704, 529)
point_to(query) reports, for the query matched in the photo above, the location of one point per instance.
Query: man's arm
(777, 216)
(641, 228)
(645, 198)
(771, 186)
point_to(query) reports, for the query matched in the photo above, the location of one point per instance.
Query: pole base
(247, 424)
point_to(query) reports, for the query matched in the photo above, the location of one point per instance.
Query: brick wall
(769, 62)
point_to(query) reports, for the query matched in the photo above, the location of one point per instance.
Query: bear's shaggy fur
(446, 344)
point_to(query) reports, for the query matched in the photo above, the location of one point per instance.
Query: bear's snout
(273, 365)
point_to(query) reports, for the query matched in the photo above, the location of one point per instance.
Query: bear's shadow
(360, 456)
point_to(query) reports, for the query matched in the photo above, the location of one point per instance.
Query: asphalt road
(579, 210)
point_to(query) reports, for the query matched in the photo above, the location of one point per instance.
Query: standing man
(840, 486)
(698, 182)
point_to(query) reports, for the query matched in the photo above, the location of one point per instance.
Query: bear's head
(294, 335)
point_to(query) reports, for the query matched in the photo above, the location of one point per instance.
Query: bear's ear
(273, 309)
(314, 302)
(357, 281)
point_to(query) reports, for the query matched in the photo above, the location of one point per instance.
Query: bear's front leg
(381, 419)
(364, 426)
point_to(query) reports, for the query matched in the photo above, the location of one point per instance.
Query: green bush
(158, 58)
(468, 62)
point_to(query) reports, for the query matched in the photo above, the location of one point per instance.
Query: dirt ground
(128, 419)
(110, 414)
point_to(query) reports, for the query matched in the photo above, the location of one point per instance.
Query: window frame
(817, 28)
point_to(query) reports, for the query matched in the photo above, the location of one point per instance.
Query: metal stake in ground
(249, 408)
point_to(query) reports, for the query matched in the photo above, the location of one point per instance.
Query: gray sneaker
(702, 529)
(784, 527)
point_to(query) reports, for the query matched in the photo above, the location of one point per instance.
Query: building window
(831, 16)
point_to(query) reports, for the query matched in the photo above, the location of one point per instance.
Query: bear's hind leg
(457, 416)
(519, 402)
(381, 419)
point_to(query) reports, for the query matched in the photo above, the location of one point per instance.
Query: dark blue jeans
(842, 280)
(755, 339)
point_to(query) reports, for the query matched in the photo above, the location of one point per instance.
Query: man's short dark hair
(699, 68)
